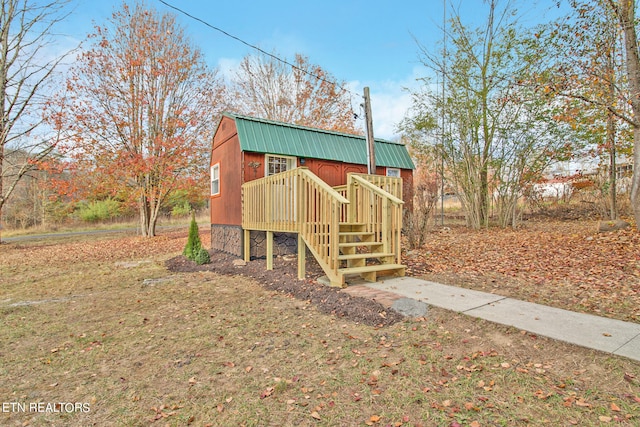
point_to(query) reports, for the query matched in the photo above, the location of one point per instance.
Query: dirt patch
(283, 278)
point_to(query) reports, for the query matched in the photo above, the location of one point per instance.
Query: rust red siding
(226, 208)
(331, 172)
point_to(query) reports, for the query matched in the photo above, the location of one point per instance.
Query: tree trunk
(145, 217)
(613, 208)
(148, 216)
(611, 136)
(625, 10)
(484, 196)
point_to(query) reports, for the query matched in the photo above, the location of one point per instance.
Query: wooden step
(357, 244)
(356, 233)
(352, 226)
(365, 255)
(370, 272)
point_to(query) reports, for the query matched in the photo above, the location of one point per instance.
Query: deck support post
(247, 245)
(302, 253)
(269, 250)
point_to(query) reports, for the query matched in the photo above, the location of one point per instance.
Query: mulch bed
(283, 278)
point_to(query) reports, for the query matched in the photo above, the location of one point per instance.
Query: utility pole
(371, 153)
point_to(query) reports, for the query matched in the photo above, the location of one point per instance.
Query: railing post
(269, 250)
(302, 261)
(247, 245)
(333, 236)
(386, 226)
(398, 231)
(351, 196)
(300, 203)
(268, 202)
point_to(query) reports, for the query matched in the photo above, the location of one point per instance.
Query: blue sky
(364, 43)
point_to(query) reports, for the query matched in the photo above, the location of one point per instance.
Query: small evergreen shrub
(194, 244)
(202, 257)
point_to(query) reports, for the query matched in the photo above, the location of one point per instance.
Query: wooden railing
(270, 203)
(321, 208)
(378, 208)
(297, 201)
(390, 184)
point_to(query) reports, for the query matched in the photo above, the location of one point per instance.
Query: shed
(249, 148)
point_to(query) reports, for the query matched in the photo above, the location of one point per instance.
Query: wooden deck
(351, 229)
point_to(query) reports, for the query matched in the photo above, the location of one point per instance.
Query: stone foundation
(283, 244)
(229, 239)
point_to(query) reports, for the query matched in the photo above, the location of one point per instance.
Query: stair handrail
(382, 192)
(332, 193)
(321, 210)
(390, 209)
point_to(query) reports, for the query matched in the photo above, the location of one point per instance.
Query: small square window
(394, 172)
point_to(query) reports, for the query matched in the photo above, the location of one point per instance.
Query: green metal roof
(266, 136)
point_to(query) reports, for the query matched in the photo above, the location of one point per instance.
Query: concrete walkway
(608, 335)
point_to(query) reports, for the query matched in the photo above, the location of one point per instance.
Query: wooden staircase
(364, 255)
(352, 230)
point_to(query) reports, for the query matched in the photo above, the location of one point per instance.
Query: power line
(255, 47)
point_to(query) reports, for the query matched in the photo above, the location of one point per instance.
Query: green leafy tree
(499, 134)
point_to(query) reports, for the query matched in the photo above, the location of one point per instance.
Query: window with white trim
(215, 179)
(277, 164)
(394, 172)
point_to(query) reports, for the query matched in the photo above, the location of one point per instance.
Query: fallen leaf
(581, 402)
(266, 393)
(615, 407)
(373, 419)
(315, 415)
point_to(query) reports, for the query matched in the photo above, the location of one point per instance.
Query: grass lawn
(97, 332)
